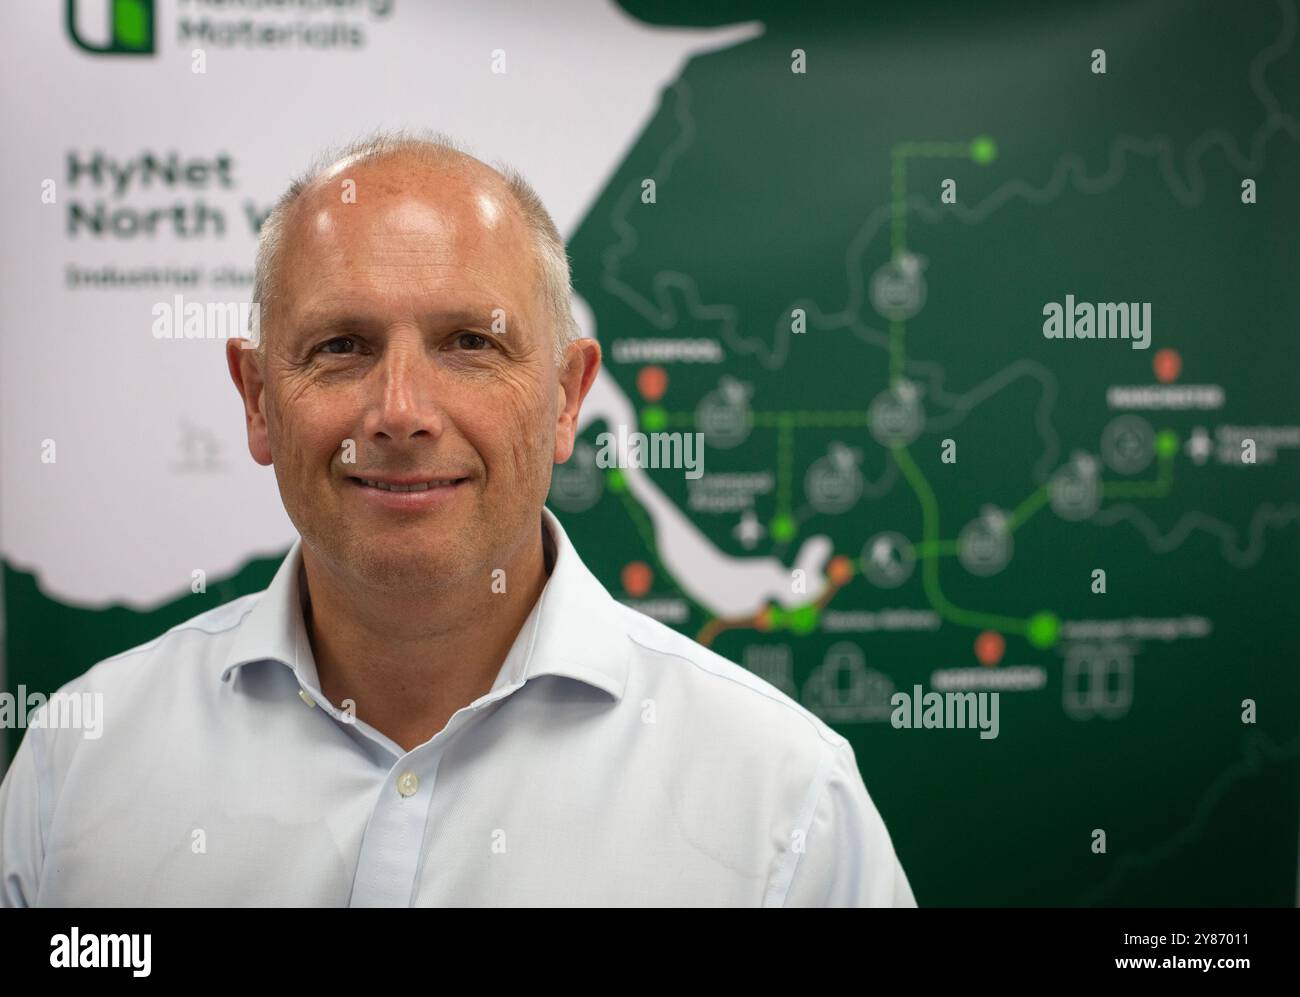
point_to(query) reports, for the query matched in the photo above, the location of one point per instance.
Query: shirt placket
(393, 844)
(394, 838)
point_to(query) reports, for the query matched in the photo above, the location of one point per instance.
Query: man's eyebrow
(312, 325)
(320, 323)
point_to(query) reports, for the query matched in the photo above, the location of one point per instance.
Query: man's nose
(406, 393)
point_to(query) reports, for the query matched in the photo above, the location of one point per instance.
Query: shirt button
(305, 696)
(407, 783)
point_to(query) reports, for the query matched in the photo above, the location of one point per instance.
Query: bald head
(478, 201)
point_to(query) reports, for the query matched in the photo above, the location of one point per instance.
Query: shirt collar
(572, 631)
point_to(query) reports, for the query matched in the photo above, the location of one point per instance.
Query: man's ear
(581, 363)
(246, 372)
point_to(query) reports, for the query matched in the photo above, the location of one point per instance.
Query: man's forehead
(417, 201)
(452, 212)
(447, 178)
(445, 220)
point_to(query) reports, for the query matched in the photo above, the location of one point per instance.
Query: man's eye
(325, 347)
(473, 340)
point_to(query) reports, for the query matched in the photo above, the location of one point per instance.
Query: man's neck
(409, 664)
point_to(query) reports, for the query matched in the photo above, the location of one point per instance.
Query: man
(434, 702)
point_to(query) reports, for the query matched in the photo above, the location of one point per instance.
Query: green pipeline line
(946, 548)
(639, 520)
(806, 420)
(1144, 489)
(896, 331)
(784, 465)
(898, 202)
(929, 560)
(1037, 499)
(939, 548)
(776, 417)
(898, 157)
(642, 524)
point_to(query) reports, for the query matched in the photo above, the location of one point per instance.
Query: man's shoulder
(727, 693)
(199, 644)
(115, 712)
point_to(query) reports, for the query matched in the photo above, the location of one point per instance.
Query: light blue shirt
(614, 762)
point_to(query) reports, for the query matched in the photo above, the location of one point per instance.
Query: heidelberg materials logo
(130, 27)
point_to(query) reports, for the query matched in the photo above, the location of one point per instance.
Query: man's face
(410, 322)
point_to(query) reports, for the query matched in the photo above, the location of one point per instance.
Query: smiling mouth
(416, 486)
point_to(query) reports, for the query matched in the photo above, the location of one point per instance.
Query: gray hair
(435, 148)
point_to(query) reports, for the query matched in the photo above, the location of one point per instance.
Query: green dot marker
(983, 150)
(615, 481)
(1043, 629)
(776, 617)
(803, 620)
(782, 527)
(1166, 443)
(654, 418)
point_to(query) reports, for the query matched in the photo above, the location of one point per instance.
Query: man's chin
(407, 568)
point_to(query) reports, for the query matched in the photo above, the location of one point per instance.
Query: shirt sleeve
(21, 846)
(848, 859)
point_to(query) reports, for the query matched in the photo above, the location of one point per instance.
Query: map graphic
(820, 197)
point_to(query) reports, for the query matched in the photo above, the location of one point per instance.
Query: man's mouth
(417, 485)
